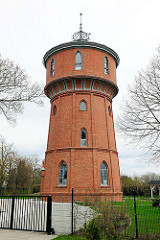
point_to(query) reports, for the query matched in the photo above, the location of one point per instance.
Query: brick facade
(66, 89)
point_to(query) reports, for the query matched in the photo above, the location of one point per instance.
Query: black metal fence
(31, 213)
(132, 217)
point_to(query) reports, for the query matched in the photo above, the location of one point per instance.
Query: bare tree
(6, 161)
(15, 89)
(17, 172)
(140, 117)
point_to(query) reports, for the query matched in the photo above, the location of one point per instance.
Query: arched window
(106, 66)
(63, 174)
(104, 178)
(83, 106)
(78, 61)
(54, 110)
(83, 138)
(52, 68)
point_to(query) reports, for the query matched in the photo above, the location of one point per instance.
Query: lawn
(148, 217)
(72, 237)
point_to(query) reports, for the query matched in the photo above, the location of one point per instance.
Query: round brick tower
(81, 151)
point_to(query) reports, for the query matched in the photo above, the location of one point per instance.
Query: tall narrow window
(109, 111)
(106, 66)
(83, 106)
(63, 174)
(52, 68)
(83, 138)
(104, 178)
(78, 61)
(54, 110)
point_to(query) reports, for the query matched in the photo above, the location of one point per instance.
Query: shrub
(156, 202)
(93, 231)
(36, 188)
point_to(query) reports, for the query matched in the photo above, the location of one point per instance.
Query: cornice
(81, 44)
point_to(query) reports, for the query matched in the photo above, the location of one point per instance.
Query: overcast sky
(29, 28)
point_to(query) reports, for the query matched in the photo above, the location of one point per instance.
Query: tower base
(86, 196)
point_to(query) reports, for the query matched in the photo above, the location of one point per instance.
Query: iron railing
(31, 213)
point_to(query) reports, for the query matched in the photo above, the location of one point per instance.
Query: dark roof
(81, 44)
(154, 182)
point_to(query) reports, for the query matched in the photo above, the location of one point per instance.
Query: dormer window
(78, 61)
(52, 68)
(106, 66)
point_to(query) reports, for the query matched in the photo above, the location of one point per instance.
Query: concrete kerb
(6, 234)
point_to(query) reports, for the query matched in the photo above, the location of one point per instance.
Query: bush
(36, 188)
(156, 203)
(93, 231)
(140, 190)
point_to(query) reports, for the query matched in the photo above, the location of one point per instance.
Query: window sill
(105, 186)
(61, 186)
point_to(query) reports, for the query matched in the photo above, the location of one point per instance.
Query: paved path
(6, 234)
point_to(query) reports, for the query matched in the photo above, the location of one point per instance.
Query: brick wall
(92, 64)
(83, 163)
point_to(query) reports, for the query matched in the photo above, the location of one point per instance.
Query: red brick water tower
(81, 151)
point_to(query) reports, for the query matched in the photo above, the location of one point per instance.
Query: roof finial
(80, 36)
(80, 28)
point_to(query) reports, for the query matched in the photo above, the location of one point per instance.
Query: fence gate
(26, 213)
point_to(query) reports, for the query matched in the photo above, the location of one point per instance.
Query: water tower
(81, 150)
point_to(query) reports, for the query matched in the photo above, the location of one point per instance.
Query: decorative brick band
(82, 148)
(78, 84)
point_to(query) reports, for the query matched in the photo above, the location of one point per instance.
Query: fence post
(12, 212)
(135, 211)
(49, 214)
(72, 214)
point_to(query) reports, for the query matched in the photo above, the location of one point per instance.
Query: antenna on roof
(80, 28)
(81, 36)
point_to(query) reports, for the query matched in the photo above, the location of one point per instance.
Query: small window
(104, 178)
(63, 174)
(83, 106)
(109, 111)
(54, 110)
(78, 61)
(52, 68)
(106, 66)
(83, 138)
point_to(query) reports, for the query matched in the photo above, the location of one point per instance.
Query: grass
(70, 237)
(73, 237)
(148, 217)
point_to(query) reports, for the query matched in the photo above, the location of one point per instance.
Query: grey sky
(29, 28)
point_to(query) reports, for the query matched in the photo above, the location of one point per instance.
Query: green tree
(127, 181)
(24, 176)
(17, 172)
